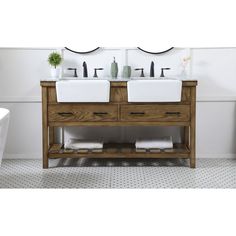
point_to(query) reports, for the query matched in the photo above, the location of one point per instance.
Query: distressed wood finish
(119, 112)
(193, 129)
(85, 112)
(122, 150)
(118, 123)
(118, 95)
(51, 135)
(155, 113)
(45, 126)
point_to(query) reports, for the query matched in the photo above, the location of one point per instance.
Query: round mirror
(82, 51)
(155, 51)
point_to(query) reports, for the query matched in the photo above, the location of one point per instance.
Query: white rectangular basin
(83, 91)
(163, 90)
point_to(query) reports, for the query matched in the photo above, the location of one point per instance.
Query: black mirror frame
(82, 52)
(155, 53)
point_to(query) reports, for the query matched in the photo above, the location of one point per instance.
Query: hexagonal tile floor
(118, 173)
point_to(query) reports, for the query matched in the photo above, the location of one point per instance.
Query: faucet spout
(152, 73)
(85, 69)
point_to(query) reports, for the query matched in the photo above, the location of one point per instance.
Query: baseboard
(216, 155)
(22, 156)
(39, 156)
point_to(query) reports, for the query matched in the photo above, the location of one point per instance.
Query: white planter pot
(55, 72)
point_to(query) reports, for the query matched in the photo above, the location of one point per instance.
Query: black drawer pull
(66, 114)
(100, 113)
(137, 113)
(173, 113)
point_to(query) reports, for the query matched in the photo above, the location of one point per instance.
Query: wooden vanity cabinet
(119, 112)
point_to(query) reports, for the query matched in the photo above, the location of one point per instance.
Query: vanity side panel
(186, 94)
(52, 95)
(193, 129)
(45, 126)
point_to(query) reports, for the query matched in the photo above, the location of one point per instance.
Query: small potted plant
(55, 59)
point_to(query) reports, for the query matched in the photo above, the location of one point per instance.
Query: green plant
(54, 59)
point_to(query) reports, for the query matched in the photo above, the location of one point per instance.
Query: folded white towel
(161, 143)
(83, 144)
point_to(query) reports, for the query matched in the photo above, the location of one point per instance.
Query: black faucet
(142, 74)
(152, 73)
(95, 72)
(85, 70)
(75, 71)
(162, 71)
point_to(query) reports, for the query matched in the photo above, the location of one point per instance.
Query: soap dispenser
(114, 69)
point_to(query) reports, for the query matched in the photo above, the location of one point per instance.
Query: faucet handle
(142, 73)
(95, 72)
(162, 71)
(75, 71)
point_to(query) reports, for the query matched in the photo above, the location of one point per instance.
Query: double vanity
(119, 102)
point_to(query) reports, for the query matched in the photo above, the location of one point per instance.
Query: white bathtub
(4, 121)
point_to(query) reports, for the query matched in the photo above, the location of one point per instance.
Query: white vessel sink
(161, 90)
(83, 91)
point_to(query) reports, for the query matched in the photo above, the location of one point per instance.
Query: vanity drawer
(82, 112)
(155, 112)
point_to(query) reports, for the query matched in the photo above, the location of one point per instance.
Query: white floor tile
(118, 173)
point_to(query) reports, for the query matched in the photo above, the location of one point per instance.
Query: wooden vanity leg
(51, 135)
(45, 148)
(193, 129)
(186, 136)
(45, 127)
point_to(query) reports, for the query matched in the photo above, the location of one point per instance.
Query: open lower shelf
(119, 150)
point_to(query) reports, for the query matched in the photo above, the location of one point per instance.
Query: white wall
(24, 135)
(20, 74)
(22, 69)
(216, 130)
(131, 56)
(216, 71)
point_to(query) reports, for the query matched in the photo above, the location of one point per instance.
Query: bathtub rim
(3, 113)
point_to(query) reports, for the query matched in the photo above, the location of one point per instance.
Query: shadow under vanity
(119, 112)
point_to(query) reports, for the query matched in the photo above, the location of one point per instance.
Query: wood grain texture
(117, 123)
(186, 136)
(155, 113)
(45, 127)
(118, 95)
(79, 112)
(118, 112)
(193, 129)
(186, 94)
(51, 135)
(52, 95)
(121, 150)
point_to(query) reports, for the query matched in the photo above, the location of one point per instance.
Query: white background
(119, 23)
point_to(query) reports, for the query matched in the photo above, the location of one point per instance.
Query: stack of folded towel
(161, 143)
(77, 144)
